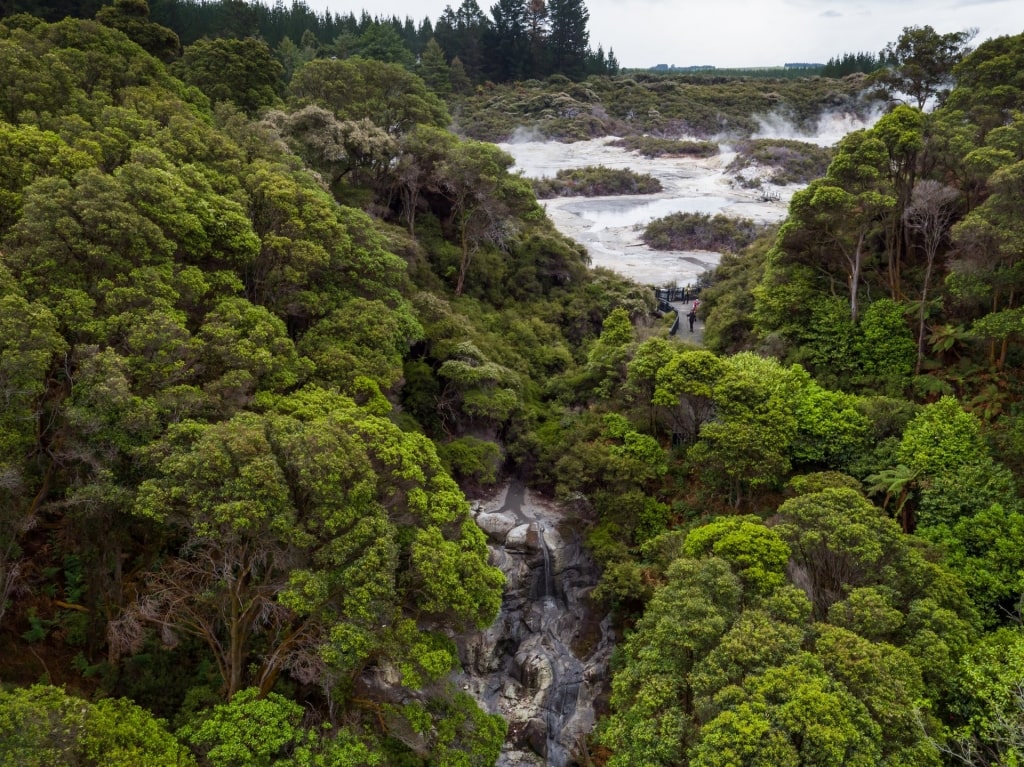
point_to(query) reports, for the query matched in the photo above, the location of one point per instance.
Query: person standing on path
(692, 316)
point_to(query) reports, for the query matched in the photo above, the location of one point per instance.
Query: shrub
(788, 161)
(595, 181)
(650, 146)
(701, 231)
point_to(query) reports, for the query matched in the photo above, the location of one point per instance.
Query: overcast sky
(745, 33)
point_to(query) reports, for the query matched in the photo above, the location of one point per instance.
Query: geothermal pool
(610, 227)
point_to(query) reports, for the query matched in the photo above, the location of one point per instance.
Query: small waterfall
(543, 664)
(547, 578)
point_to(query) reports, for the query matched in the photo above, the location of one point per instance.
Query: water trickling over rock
(543, 663)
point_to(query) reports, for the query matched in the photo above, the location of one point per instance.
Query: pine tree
(461, 34)
(537, 24)
(434, 70)
(459, 78)
(507, 50)
(568, 42)
(612, 63)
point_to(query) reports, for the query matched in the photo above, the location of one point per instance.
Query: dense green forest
(516, 40)
(267, 321)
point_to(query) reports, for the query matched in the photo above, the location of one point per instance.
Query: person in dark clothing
(692, 316)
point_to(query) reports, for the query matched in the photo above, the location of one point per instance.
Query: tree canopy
(268, 320)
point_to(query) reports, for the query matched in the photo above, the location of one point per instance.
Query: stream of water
(543, 664)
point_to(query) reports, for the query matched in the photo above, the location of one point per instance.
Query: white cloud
(739, 33)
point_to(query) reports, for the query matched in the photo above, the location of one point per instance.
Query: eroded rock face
(543, 663)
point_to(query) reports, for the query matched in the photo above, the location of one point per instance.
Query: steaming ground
(610, 227)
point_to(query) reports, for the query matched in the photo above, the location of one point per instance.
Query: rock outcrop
(543, 663)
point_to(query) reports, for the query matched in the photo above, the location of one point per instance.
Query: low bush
(785, 161)
(701, 231)
(595, 181)
(651, 146)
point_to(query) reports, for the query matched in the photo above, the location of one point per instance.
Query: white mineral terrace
(610, 227)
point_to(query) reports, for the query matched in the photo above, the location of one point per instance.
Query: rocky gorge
(543, 664)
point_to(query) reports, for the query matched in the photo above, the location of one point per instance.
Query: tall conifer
(568, 41)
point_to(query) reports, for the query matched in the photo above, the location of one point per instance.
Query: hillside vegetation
(663, 106)
(262, 335)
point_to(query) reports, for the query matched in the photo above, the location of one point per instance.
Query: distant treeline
(853, 63)
(837, 66)
(518, 40)
(714, 75)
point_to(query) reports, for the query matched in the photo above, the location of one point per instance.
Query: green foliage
(728, 299)
(747, 445)
(383, 43)
(52, 70)
(362, 337)
(298, 500)
(244, 72)
(608, 457)
(356, 150)
(249, 730)
(885, 347)
(792, 715)
(802, 484)
(450, 730)
(355, 88)
(868, 612)
(852, 63)
(255, 731)
(888, 682)
(685, 387)
(701, 231)
(433, 68)
(606, 361)
(43, 726)
(984, 550)
(472, 460)
(652, 146)
(758, 556)
(989, 702)
(31, 153)
(30, 343)
(239, 336)
(623, 583)
(740, 674)
(944, 445)
(642, 104)
(132, 18)
(785, 161)
(830, 429)
(842, 542)
(596, 181)
(651, 695)
(984, 91)
(921, 62)
(173, 275)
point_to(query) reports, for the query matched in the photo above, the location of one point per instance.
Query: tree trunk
(920, 313)
(855, 276)
(235, 655)
(1006, 339)
(464, 263)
